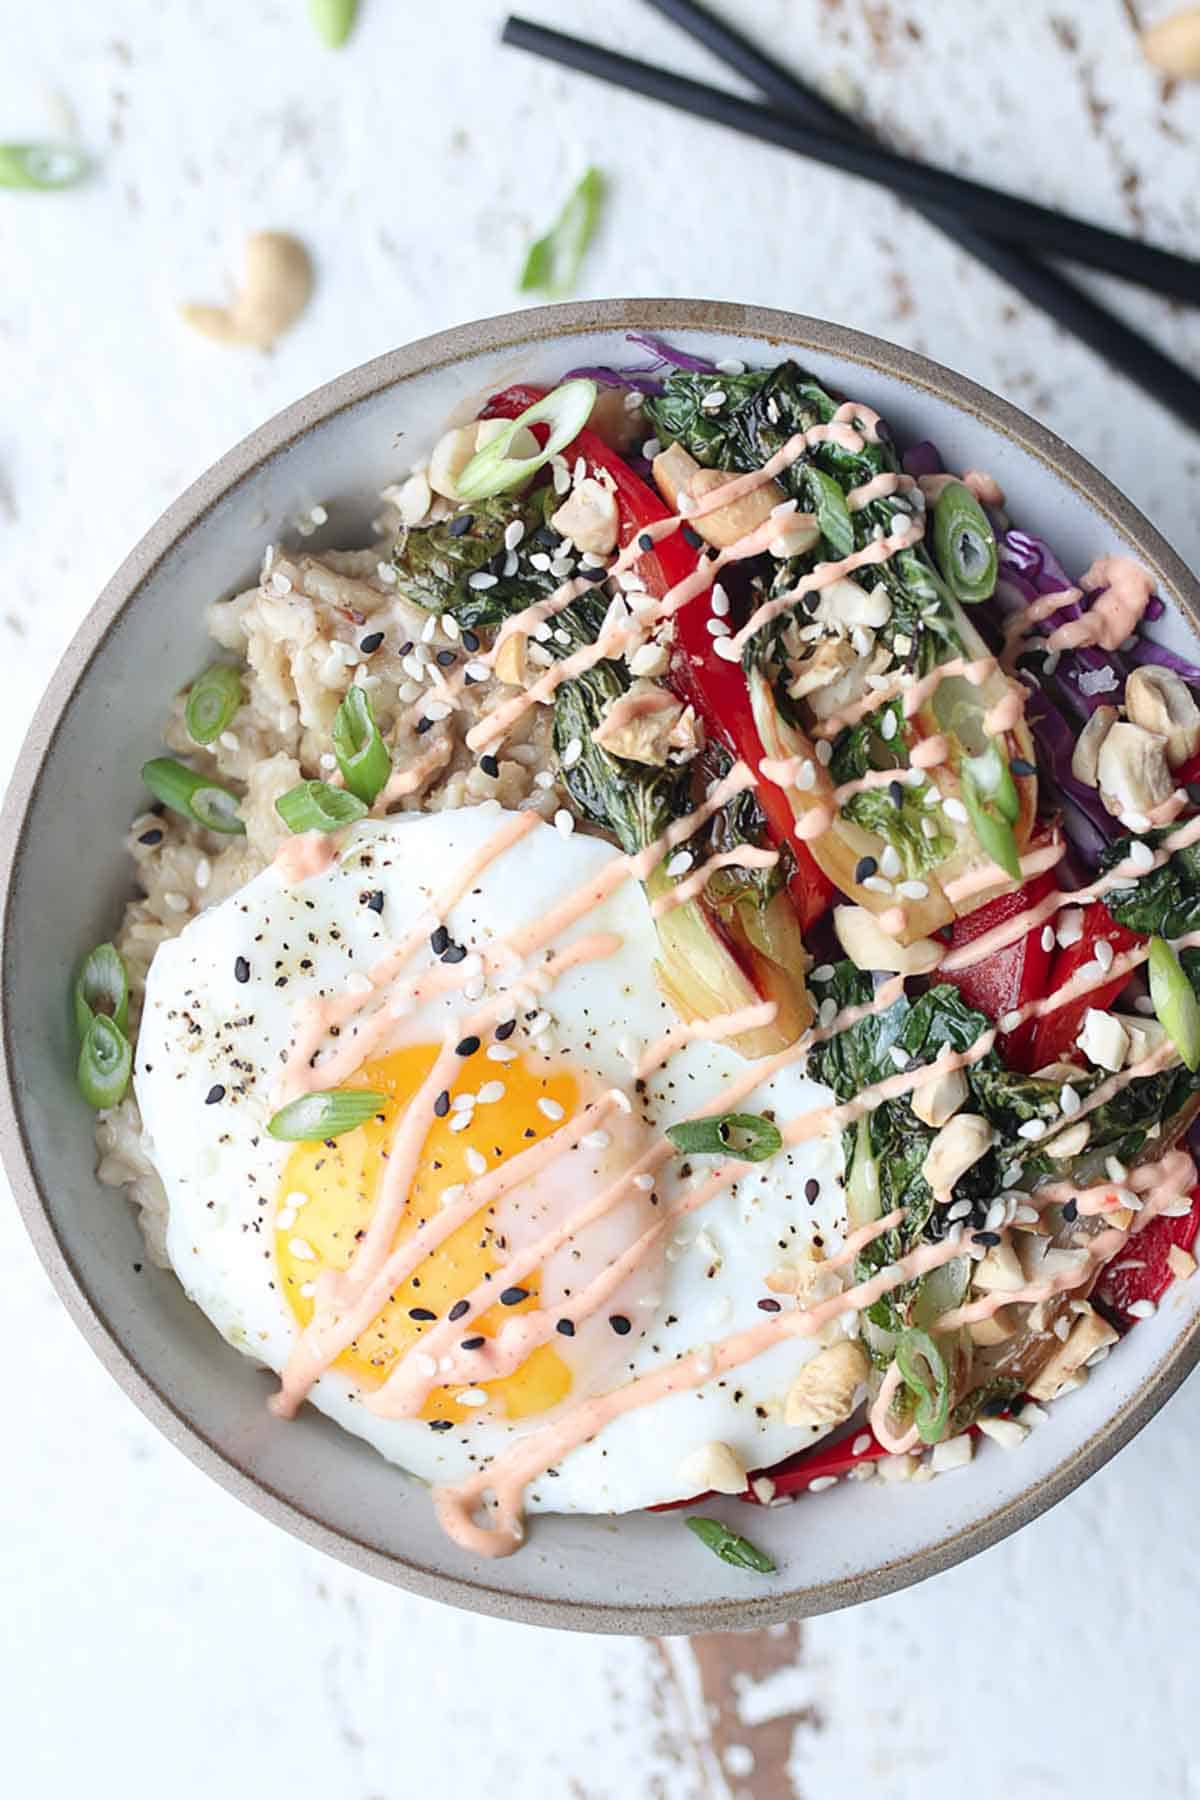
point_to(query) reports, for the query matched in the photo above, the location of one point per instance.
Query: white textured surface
(149, 1621)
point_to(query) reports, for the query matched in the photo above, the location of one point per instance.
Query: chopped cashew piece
(999, 1271)
(1085, 758)
(1132, 770)
(869, 946)
(1159, 701)
(1173, 45)
(512, 662)
(1010, 1434)
(843, 604)
(957, 1146)
(825, 1391)
(588, 516)
(1088, 1334)
(1181, 1262)
(1103, 1040)
(675, 472)
(935, 1102)
(713, 1468)
(275, 291)
(643, 724)
(996, 1328)
(1070, 1142)
(807, 1280)
(951, 1453)
(412, 498)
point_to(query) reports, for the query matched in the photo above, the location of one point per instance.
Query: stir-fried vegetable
(1175, 1002)
(1163, 902)
(990, 797)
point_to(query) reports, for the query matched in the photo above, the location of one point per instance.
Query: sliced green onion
(565, 409)
(730, 1547)
(334, 19)
(964, 544)
(315, 806)
(745, 1135)
(361, 752)
(924, 1373)
(1175, 1002)
(993, 806)
(553, 263)
(44, 166)
(186, 791)
(101, 987)
(829, 504)
(212, 702)
(105, 1062)
(325, 1115)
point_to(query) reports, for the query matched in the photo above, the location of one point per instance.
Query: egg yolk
(329, 1192)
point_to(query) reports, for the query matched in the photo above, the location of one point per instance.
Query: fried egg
(256, 1225)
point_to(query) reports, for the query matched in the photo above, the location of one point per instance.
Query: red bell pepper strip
(1012, 977)
(1141, 1270)
(716, 689)
(1055, 1033)
(1188, 771)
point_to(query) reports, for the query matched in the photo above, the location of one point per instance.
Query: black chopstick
(1128, 352)
(1001, 215)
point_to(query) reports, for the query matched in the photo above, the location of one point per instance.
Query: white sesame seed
(449, 1195)
(644, 1182)
(1141, 856)
(954, 809)
(500, 1053)
(1070, 1101)
(572, 753)
(475, 1162)
(1010, 1021)
(550, 1109)
(596, 1140)
(490, 1092)
(307, 1289)
(514, 531)
(1141, 1309)
(651, 448)
(203, 873)
(279, 583)
(720, 601)
(463, 1102)
(960, 1210)
(176, 902)
(680, 863)
(889, 860)
(539, 1023)
(714, 399)
(828, 1011)
(727, 650)
(328, 760)
(437, 710)
(301, 1249)
(730, 365)
(564, 822)
(285, 1218)
(545, 778)
(819, 1483)
(472, 1397)
(478, 671)
(460, 1121)
(877, 884)
(481, 579)
(887, 725)
(717, 628)
(228, 741)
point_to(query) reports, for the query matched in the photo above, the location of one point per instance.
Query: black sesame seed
(1071, 1211)
(457, 1311)
(372, 898)
(592, 574)
(505, 1029)
(513, 1296)
(151, 837)
(474, 1343)
(405, 647)
(370, 644)
(812, 1188)
(424, 725)
(446, 659)
(691, 537)
(565, 1327)
(865, 868)
(439, 940)
(241, 970)
(895, 793)
(454, 953)
(421, 1313)
(1020, 766)
(459, 526)
(488, 764)
(441, 1424)
(987, 1238)
(645, 541)
(620, 1324)
(441, 1105)
(769, 1306)
(466, 1046)
(470, 641)
(214, 1094)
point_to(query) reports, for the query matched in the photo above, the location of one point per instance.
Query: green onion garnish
(1175, 1002)
(361, 752)
(194, 795)
(212, 703)
(745, 1135)
(924, 1373)
(491, 470)
(828, 502)
(101, 987)
(993, 806)
(334, 19)
(105, 1062)
(553, 263)
(730, 1547)
(44, 166)
(325, 1115)
(964, 544)
(315, 806)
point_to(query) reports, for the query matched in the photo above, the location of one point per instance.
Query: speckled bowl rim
(510, 331)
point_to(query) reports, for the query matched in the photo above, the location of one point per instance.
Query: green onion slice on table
(212, 703)
(333, 19)
(730, 1547)
(105, 1063)
(362, 754)
(325, 1115)
(554, 261)
(492, 470)
(315, 806)
(43, 166)
(195, 796)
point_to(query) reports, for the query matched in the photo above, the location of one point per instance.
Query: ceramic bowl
(64, 876)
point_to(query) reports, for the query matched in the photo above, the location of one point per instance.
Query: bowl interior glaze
(65, 877)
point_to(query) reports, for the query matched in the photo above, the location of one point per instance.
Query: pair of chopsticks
(1004, 232)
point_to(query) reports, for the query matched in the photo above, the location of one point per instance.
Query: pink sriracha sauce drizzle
(348, 1301)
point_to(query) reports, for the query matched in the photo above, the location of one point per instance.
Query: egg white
(203, 1030)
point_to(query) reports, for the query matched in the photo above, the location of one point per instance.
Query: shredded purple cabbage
(1146, 650)
(667, 353)
(645, 377)
(922, 459)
